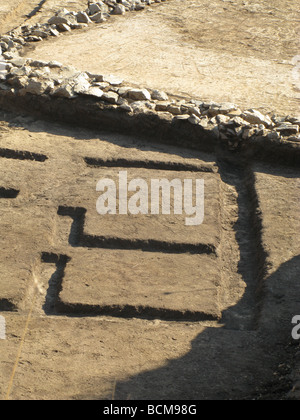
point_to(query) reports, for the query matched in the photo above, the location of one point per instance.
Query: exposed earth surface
(142, 306)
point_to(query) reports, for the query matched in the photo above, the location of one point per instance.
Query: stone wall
(108, 102)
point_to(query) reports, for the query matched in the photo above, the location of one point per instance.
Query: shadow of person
(225, 363)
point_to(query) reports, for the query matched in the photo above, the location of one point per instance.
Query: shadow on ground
(231, 364)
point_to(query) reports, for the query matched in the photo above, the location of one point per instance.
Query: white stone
(119, 10)
(82, 84)
(95, 91)
(112, 80)
(255, 117)
(98, 17)
(139, 94)
(64, 91)
(38, 87)
(194, 119)
(18, 62)
(110, 97)
(159, 95)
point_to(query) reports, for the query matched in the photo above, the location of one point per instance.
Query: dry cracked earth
(143, 306)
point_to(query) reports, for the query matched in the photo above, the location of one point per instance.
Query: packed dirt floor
(93, 309)
(235, 51)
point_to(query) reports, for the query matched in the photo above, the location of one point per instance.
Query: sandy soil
(216, 50)
(75, 331)
(212, 325)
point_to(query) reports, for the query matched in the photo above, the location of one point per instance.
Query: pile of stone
(22, 76)
(226, 121)
(65, 21)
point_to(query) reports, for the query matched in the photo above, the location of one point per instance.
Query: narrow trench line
(55, 282)
(22, 155)
(78, 238)
(261, 255)
(252, 263)
(148, 164)
(8, 193)
(130, 311)
(54, 306)
(36, 9)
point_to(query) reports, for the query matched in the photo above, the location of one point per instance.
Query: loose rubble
(65, 21)
(21, 76)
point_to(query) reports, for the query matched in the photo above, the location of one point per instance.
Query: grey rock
(67, 19)
(139, 94)
(64, 27)
(294, 138)
(273, 135)
(98, 17)
(174, 109)
(19, 81)
(79, 25)
(184, 117)
(34, 39)
(3, 46)
(40, 73)
(194, 119)
(122, 91)
(54, 32)
(158, 95)
(294, 120)
(288, 129)
(95, 91)
(227, 107)
(222, 119)
(94, 8)
(139, 6)
(255, 117)
(142, 106)
(64, 91)
(10, 55)
(204, 122)
(112, 80)
(55, 65)
(213, 111)
(119, 10)
(20, 71)
(82, 17)
(40, 33)
(238, 122)
(38, 87)
(110, 97)
(162, 106)
(19, 40)
(278, 120)
(121, 101)
(82, 84)
(191, 109)
(126, 107)
(18, 61)
(38, 63)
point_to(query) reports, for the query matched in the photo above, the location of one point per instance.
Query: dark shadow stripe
(78, 238)
(22, 155)
(8, 192)
(149, 164)
(130, 311)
